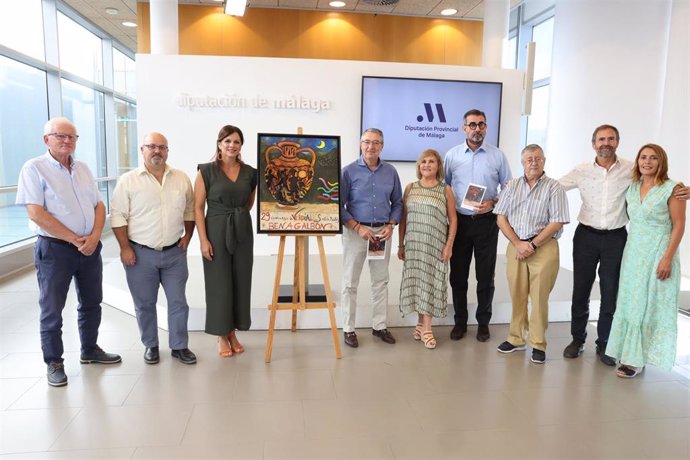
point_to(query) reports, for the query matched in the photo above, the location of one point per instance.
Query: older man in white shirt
(152, 215)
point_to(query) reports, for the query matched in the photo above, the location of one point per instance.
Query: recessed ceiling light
(449, 12)
(129, 24)
(337, 4)
(111, 11)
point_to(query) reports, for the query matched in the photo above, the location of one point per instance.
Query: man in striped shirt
(531, 212)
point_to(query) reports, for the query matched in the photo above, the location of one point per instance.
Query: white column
(164, 27)
(496, 20)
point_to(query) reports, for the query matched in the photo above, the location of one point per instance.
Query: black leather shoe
(56, 375)
(97, 355)
(574, 349)
(458, 332)
(351, 339)
(384, 334)
(185, 356)
(151, 355)
(604, 358)
(483, 334)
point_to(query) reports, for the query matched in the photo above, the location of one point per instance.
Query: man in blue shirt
(67, 213)
(371, 201)
(478, 163)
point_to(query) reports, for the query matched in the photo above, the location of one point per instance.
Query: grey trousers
(153, 269)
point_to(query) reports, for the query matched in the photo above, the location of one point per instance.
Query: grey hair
(374, 131)
(48, 127)
(532, 148)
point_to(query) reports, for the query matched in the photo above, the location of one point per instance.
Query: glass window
(542, 35)
(80, 51)
(14, 222)
(126, 115)
(23, 112)
(510, 54)
(21, 27)
(124, 74)
(85, 107)
(536, 124)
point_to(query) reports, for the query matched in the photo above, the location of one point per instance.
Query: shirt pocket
(177, 202)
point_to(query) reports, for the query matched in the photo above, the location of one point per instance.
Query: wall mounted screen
(418, 114)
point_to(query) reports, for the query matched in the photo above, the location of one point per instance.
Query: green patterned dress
(644, 326)
(424, 286)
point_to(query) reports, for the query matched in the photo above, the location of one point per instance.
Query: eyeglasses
(473, 125)
(65, 137)
(367, 143)
(156, 147)
(533, 160)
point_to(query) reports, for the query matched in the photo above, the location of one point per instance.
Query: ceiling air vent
(381, 2)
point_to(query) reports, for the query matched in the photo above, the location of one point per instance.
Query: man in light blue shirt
(371, 206)
(66, 212)
(478, 163)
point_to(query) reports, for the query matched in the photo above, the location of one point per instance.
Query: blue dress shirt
(370, 196)
(488, 166)
(69, 197)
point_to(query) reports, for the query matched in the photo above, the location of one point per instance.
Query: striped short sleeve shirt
(530, 210)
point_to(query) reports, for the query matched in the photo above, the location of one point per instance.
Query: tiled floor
(462, 400)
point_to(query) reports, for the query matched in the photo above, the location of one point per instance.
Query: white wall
(622, 62)
(161, 79)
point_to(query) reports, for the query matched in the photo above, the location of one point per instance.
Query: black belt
(56, 240)
(164, 248)
(478, 216)
(373, 224)
(601, 232)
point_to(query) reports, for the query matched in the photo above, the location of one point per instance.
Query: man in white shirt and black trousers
(600, 237)
(152, 215)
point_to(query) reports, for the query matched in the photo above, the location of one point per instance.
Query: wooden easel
(299, 290)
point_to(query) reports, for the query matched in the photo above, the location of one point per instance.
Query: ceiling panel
(95, 10)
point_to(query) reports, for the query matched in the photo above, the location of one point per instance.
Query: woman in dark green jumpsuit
(225, 188)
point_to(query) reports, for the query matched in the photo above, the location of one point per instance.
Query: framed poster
(299, 184)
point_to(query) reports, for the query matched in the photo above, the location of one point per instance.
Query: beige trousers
(531, 279)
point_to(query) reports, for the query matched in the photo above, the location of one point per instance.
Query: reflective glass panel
(542, 35)
(124, 76)
(126, 115)
(85, 107)
(536, 124)
(80, 50)
(23, 112)
(21, 27)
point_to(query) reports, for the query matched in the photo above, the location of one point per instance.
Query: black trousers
(478, 237)
(592, 248)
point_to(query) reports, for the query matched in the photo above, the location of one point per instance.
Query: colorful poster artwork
(299, 184)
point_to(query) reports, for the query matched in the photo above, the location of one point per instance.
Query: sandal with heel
(429, 340)
(417, 333)
(224, 348)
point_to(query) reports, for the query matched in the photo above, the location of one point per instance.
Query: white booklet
(376, 249)
(473, 196)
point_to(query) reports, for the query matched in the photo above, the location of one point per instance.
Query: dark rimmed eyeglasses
(473, 125)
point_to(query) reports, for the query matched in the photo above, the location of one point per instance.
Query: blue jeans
(56, 264)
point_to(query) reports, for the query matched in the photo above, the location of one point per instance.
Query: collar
(53, 162)
(615, 163)
(524, 178)
(360, 162)
(142, 170)
(479, 149)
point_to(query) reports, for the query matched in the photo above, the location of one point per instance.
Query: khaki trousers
(533, 279)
